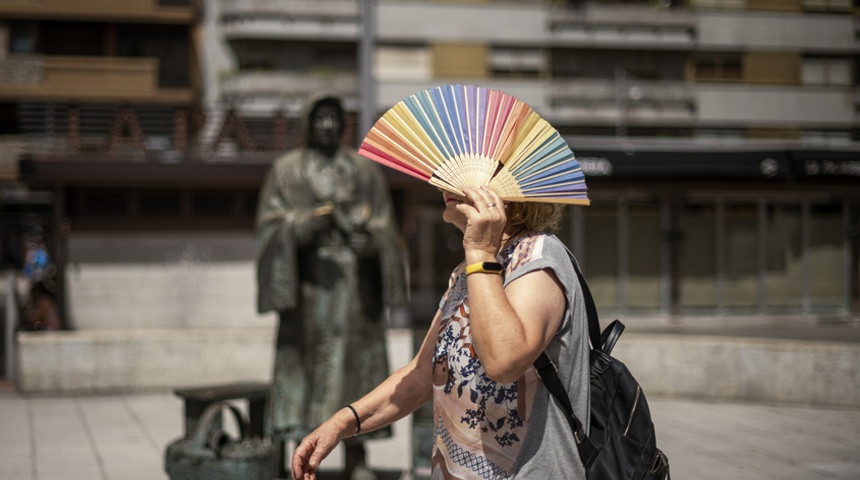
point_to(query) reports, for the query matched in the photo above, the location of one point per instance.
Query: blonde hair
(533, 216)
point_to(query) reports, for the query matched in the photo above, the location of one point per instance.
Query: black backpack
(622, 443)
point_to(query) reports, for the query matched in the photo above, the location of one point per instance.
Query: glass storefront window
(826, 256)
(784, 267)
(740, 267)
(644, 279)
(698, 258)
(734, 257)
(600, 257)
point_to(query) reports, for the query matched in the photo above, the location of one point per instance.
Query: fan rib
(451, 164)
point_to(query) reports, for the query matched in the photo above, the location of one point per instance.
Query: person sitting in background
(40, 311)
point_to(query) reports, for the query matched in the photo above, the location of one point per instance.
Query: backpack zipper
(633, 409)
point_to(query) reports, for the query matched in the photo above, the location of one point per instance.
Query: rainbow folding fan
(459, 136)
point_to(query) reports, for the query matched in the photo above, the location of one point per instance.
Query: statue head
(325, 125)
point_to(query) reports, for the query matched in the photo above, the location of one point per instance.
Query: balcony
(720, 4)
(293, 9)
(633, 26)
(776, 31)
(148, 11)
(86, 79)
(637, 102)
(776, 106)
(583, 101)
(282, 89)
(295, 19)
(10, 151)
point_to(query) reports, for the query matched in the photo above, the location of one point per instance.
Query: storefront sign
(596, 166)
(846, 168)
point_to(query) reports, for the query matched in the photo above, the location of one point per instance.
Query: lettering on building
(596, 166)
(848, 168)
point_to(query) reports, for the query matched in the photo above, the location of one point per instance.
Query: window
(826, 71)
(22, 37)
(698, 257)
(718, 67)
(643, 288)
(160, 202)
(9, 119)
(825, 137)
(105, 202)
(720, 4)
(212, 202)
(827, 5)
(720, 134)
(784, 256)
(826, 255)
(403, 63)
(466, 60)
(600, 259)
(517, 62)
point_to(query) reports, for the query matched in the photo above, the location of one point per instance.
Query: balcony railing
(278, 19)
(125, 132)
(86, 79)
(634, 26)
(639, 101)
(157, 11)
(596, 14)
(291, 9)
(279, 86)
(10, 150)
(720, 4)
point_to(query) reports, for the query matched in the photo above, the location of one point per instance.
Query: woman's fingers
(485, 220)
(310, 453)
(300, 467)
(483, 199)
(306, 459)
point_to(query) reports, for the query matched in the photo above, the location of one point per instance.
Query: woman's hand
(318, 444)
(485, 224)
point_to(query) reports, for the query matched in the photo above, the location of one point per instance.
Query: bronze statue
(329, 261)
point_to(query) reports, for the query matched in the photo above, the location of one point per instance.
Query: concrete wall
(712, 367)
(163, 280)
(730, 368)
(101, 361)
(772, 105)
(774, 31)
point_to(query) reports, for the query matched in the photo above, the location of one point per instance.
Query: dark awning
(670, 160)
(826, 164)
(675, 165)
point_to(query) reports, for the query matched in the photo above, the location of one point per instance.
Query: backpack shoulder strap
(549, 375)
(590, 308)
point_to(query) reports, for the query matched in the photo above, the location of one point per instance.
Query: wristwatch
(485, 267)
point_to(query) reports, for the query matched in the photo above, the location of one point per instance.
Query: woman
(493, 417)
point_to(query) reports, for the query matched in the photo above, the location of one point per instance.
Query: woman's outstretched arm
(399, 395)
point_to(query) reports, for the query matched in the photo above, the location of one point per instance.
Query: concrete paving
(123, 437)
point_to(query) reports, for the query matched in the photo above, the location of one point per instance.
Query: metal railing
(148, 10)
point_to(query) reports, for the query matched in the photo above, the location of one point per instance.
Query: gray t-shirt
(549, 450)
(499, 431)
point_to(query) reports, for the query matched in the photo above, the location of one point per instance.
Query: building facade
(101, 115)
(720, 137)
